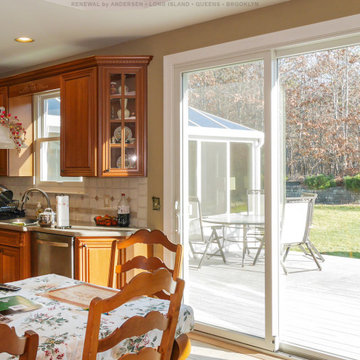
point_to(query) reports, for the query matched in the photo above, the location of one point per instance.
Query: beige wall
(264, 20)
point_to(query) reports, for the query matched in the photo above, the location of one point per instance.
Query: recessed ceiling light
(24, 39)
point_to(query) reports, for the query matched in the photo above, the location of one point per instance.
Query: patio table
(236, 220)
(61, 326)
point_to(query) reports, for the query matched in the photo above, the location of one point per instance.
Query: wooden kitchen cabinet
(78, 135)
(21, 164)
(13, 163)
(123, 118)
(14, 255)
(92, 259)
(103, 117)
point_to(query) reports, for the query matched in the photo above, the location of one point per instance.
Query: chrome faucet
(26, 197)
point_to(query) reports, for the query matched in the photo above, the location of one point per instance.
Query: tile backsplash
(101, 197)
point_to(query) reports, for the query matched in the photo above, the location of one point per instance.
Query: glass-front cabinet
(124, 119)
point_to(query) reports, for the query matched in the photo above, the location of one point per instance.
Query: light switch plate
(155, 203)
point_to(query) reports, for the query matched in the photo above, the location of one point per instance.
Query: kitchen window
(47, 144)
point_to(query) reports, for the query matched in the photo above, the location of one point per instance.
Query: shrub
(320, 182)
(352, 183)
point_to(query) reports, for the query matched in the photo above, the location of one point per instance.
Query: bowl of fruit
(106, 220)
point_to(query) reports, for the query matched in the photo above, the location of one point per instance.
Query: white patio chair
(256, 206)
(295, 228)
(313, 196)
(202, 237)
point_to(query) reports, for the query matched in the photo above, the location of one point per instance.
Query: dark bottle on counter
(123, 212)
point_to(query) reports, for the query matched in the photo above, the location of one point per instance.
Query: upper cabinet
(13, 163)
(78, 142)
(103, 114)
(123, 125)
(103, 118)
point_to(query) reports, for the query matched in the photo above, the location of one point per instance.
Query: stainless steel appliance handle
(52, 243)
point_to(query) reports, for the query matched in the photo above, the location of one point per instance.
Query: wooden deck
(318, 309)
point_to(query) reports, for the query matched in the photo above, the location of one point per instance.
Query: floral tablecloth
(61, 326)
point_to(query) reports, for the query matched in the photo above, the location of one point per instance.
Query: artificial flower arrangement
(16, 131)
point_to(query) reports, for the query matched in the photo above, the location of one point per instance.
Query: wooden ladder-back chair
(143, 284)
(149, 263)
(23, 346)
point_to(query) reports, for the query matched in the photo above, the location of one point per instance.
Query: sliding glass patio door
(223, 217)
(247, 133)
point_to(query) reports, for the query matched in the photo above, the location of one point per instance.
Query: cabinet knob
(84, 246)
(107, 170)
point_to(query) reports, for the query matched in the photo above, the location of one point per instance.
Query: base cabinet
(92, 259)
(14, 256)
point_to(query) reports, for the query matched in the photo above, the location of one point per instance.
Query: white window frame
(70, 187)
(340, 32)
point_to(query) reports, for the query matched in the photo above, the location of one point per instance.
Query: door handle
(52, 243)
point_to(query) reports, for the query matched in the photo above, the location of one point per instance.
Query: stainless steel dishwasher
(52, 254)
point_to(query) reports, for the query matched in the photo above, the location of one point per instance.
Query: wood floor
(318, 309)
(203, 351)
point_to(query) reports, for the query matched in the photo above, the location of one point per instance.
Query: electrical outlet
(107, 201)
(155, 203)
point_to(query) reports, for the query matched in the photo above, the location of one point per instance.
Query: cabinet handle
(84, 246)
(107, 170)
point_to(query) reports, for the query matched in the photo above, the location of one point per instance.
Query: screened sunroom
(224, 162)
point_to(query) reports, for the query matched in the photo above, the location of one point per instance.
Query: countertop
(77, 229)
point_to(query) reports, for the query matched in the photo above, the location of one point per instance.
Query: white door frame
(227, 53)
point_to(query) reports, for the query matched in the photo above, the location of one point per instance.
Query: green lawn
(336, 229)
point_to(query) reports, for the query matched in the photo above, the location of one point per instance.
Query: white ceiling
(63, 28)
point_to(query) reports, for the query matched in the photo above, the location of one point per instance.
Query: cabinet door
(9, 264)
(78, 134)
(123, 94)
(4, 152)
(92, 260)
(21, 164)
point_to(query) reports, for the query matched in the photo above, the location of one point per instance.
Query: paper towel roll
(62, 211)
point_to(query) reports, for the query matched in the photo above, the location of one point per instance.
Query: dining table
(61, 326)
(241, 221)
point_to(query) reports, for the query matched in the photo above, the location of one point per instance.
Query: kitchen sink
(25, 221)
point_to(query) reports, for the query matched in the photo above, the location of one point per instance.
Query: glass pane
(50, 163)
(115, 84)
(213, 178)
(116, 161)
(115, 133)
(50, 121)
(130, 158)
(130, 132)
(130, 84)
(321, 97)
(130, 108)
(115, 109)
(239, 176)
(225, 128)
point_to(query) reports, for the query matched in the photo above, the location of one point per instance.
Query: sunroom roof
(199, 118)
